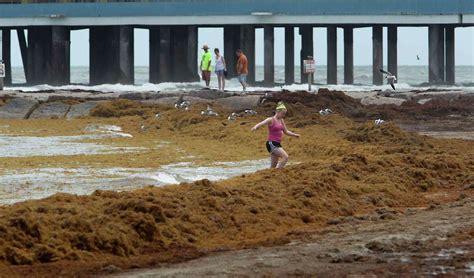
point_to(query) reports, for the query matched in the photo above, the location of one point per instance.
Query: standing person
(276, 129)
(242, 68)
(206, 65)
(221, 68)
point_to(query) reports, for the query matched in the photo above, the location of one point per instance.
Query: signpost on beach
(309, 70)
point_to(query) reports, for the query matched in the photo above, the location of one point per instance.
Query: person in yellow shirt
(206, 65)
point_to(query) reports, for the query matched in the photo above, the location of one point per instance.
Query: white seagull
(233, 116)
(379, 122)
(390, 78)
(250, 112)
(209, 112)
(182, 104)
(326, 111)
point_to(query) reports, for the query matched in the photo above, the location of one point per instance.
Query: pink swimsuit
(275, 131)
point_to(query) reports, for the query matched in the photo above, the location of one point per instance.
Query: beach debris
(157, 115)
(250, 112)
(143, 127)
(209, 112)
(379, 122)
(325, 111)
(182, 104)
(233, 116)
(390, 78)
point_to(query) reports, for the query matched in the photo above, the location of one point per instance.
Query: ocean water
(408, 77)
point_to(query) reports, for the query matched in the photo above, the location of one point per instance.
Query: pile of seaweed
(345, 168)
(249, 210)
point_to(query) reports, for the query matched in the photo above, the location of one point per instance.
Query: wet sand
(348, 167)
(416, 242)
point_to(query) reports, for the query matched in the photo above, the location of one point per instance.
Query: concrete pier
(183, 53)
(60, 56)
(377, 55)
(39, 54)
(450, 48)
(392, 53)
(332, 55)
(111, 55)
(192, 73)
(173, 26)
(307, 49)
(160, 49)
(247, 44)
(441, 55)
(348, 55)
(24, 51)
(126, 55)
(289, 55)
(269, 55)
(231, 44)
(173, 54)
(6, 56)
(154, 57)
(48, 59)
(434, 47)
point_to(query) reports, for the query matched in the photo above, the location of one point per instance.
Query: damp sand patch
(28, 146)
(27, 184)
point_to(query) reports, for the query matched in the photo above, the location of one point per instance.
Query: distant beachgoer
(242, 68)
(206, 65)
(221, 69)
(276, 129)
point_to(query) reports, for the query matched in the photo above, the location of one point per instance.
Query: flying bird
(417, 57)
(390, 78)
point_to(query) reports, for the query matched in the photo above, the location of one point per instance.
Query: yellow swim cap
(281, 106)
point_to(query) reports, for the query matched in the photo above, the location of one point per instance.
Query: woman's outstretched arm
(264, 122)
(289, 133)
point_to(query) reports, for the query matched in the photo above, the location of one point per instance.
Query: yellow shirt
(205, 61)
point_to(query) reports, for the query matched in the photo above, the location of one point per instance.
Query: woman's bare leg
(223, 82)
(219, 81)
(280, 152)
(274, 160)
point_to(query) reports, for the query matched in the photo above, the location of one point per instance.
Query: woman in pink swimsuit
(276, 129)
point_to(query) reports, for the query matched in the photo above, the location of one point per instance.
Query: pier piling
(231, 44)
(269, 55)
(111, 55)
(6, 55)
(289, 55)
(392, 51)
(377, 54)
(247, 44)
(434, 47)
(332, 55)
(450, 48)
(307, 49)
(60, 56)
(348, 55)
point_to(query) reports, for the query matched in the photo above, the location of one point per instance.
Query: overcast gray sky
(412, 41)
